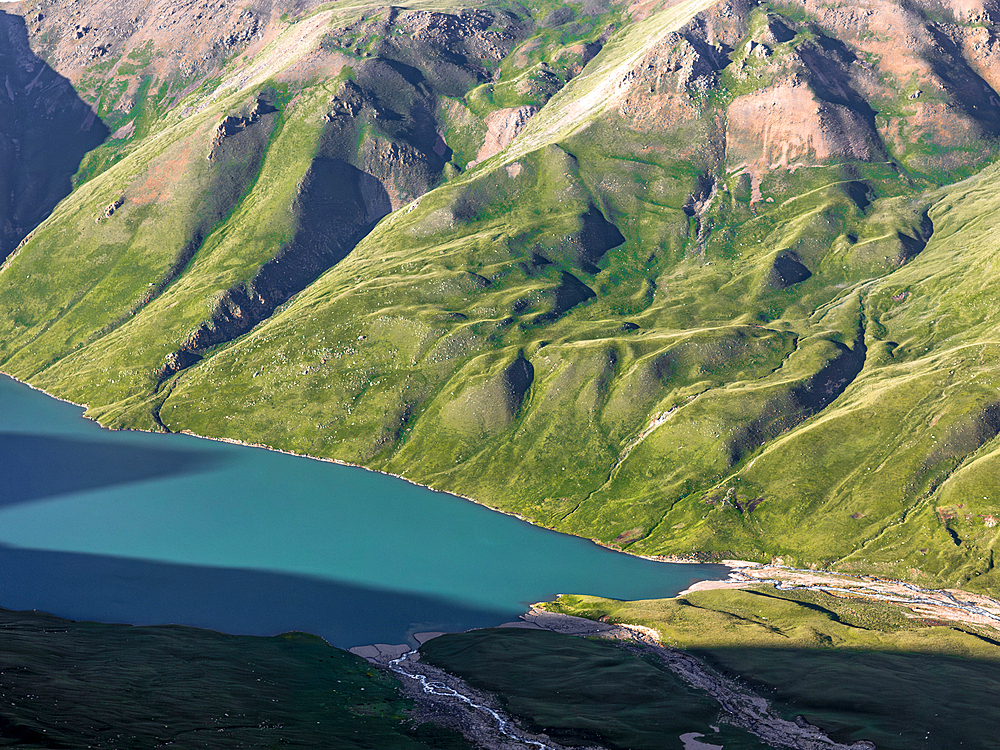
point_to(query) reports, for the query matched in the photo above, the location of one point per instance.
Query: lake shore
(692, 559)
(948, 605)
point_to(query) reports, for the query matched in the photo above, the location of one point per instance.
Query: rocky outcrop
(112, 207)
(454, 51)
(811, 91)
(944, 71)
(234, 124)
(663, 91)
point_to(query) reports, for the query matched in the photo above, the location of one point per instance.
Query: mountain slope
(690, 277)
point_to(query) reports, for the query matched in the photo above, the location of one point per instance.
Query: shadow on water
(45, 131)
(33, 467)
(245, 602)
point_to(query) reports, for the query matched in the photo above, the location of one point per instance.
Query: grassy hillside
(710, 278)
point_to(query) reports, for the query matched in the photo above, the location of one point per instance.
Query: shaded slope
(136, 234)
(332, 214)
(862, 671)
(46, 130)
(581, 691)
(142, 687)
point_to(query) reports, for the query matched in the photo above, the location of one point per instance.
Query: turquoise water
(144, 528)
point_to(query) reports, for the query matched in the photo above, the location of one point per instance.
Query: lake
(149, 528)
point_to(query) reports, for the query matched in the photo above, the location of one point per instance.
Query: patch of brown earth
(870, 81)
(502, 127)
(660, 86)
(944, 72)
(786, 126)
(157, 184)
(187, 37)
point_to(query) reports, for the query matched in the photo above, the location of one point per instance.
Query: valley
(693, 280)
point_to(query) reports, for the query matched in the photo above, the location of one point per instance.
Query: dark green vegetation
(579, 691)
(899, 701)
(75, 684)
(859, 670)
(729, 290)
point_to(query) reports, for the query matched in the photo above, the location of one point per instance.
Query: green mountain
(685, 278)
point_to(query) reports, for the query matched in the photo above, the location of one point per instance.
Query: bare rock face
(234, 124)
(945, 71)
(472, 31)
(196, 35)
(970, 11)
(502, 127)
(787, 126)
(664, 89)
(810, 92)
(453, 51)
(112, 207)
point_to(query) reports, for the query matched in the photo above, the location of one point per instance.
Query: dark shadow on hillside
(336, 207)
(583, 692)
(899, 701)
(45, 131)
(34, 467)
(798, 403)
(247, 602)
(82, 684)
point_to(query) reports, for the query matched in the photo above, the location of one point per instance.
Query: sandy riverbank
(952, 605)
